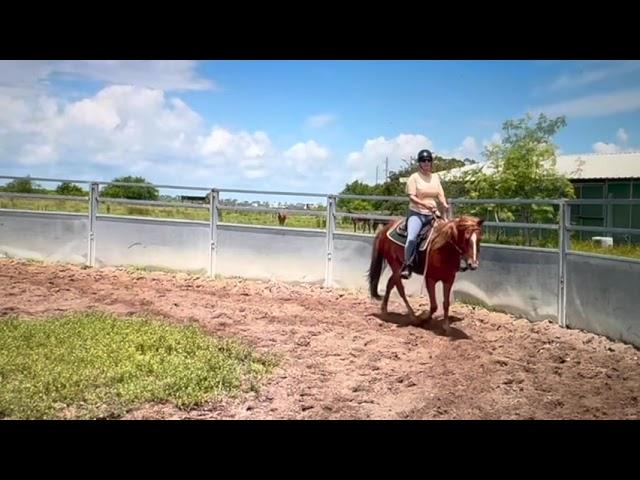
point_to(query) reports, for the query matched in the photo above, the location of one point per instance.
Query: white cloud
(601, 147)
(154, 74)
(13, 111)
(254, 156)
(321, 120)
(252, 153)
(586, 77)
(374, 152)
(259, 173)
(125, 130)
(468, 149)
(38, 154)
(622, 136)
(595, 105)
(118, 125)
(304, 157)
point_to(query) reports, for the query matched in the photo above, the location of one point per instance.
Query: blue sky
(293, 125)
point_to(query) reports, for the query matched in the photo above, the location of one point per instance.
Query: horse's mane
(445, 231)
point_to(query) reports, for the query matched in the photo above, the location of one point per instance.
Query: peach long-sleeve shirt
(428, 189)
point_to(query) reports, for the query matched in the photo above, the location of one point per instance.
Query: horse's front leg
(446, 288)
(433, 304)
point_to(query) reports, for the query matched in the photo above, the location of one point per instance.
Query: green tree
(66, 188)
(522, 166)
(142, 192)
(23, 185)
(356, 205)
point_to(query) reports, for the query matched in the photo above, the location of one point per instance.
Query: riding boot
(409, 253)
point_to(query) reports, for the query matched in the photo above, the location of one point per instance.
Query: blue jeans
(415, 222)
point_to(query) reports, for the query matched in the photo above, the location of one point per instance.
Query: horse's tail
(377, 263)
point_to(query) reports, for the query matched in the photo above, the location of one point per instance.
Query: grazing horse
(450, 242)
(364, 222)
(282, 217)
(369, 225)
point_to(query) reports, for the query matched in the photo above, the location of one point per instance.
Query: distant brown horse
(282, 217)
(450, 242)
(368, 224)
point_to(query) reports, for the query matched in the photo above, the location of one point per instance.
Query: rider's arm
(441, 196)
(443, 199)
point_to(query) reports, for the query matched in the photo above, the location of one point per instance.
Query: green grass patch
(45, 205)
(630, 250)
(96, 365)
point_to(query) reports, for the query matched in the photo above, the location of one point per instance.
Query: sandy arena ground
(342, 360)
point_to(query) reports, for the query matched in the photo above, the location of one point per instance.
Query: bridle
(462, 256)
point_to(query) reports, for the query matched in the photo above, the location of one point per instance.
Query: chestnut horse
(451, 241)
(367, 224)
(282, 217)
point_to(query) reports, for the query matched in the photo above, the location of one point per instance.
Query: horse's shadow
(434, 325)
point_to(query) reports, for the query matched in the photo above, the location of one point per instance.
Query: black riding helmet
(425, 156)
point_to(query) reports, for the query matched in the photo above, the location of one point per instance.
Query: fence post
(567, 246)
(331, 218)
(93, 212)
(214, 199)
(564, 212)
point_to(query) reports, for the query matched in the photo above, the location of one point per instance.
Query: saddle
(398, 234)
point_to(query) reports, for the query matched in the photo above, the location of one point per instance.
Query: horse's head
(469, 236)
(467, 239)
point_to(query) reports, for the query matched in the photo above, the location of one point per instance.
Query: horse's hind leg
(400, 287)
(395, 280)
(385, 300)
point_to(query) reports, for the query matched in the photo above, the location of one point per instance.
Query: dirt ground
(342, 360)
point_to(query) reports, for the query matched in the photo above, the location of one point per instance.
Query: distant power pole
(376, 174)
(386, 169)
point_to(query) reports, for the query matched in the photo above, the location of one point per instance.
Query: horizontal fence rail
(153, 203)
(288, 211)
(42, 196)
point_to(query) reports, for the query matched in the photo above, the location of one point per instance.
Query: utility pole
(376, 174)
(386, 169)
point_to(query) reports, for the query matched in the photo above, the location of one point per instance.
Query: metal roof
(599, 165)
(576, 167)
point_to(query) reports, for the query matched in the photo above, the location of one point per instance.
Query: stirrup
(405, 271)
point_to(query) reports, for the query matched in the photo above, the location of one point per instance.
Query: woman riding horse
(451, 241)
(423, 188)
